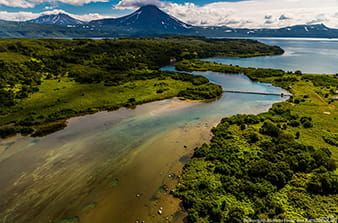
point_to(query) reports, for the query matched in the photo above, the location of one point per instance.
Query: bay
(315, 56)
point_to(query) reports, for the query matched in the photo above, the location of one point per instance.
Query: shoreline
(169, 202)
(150, 203)
(319, 132)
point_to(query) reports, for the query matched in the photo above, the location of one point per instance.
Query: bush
(252, 137)
(323, 183)
(62, 114)
(207, 91)
(297, 135)
(7, 131)
(331, 138)
(307, 124)
(29, 121)
(298, 72)
(6, 98)
(270, 129)
(26, 131)
(199, 80)
(49, 128)
(294, 123)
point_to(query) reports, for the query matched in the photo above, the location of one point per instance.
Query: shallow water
(102, 161)
(110, 166)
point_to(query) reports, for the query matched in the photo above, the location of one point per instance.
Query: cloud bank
(249, 13)
(33, 3)
(23, 16)
(133, 4)
(242, 14)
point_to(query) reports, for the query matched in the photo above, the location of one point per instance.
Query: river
(112, 166)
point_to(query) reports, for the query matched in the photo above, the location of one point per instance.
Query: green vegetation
(325, 84)
(331, 138)
(206, 91)
(281, 164)
(321, 80)
(44, 82)
(253, 73)
(46, 110)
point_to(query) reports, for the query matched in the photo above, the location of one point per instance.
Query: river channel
(119, 166)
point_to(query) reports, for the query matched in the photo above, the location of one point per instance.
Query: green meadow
(43, 82)
(66, 94)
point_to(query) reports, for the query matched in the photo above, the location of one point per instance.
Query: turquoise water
(55, 169)
(229, 103)
(319, 56)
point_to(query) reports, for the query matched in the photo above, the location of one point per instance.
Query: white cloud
(49, 7)
(259, 13)
(242, 14)
(134, 4)
(23, 16)
(90, 17)
(16, 16)
(17, 3)
(74, 2)
(33, 3)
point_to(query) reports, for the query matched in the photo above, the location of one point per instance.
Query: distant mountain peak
(150, 18)
(57, 19)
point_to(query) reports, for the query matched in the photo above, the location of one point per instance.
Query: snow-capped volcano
(57, 19)
(149, 18)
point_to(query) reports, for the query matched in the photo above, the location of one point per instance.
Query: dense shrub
(49, 128)
(270, 129)
(208, 91)
(7, 131)
(242, 172)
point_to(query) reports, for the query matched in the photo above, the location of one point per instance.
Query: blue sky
(234, 13)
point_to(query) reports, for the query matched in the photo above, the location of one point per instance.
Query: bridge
(260, 93)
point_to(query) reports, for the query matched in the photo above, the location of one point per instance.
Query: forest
(43, 82)
(281, 164)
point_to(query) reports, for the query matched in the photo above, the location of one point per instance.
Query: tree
(270, 129)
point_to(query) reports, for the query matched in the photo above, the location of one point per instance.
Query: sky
(233, 13)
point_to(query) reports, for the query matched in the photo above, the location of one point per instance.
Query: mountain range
(57, 19)
(146, 21)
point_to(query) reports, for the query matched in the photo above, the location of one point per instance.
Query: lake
(119, 166)
(316, 56)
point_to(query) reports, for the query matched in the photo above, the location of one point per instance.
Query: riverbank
(45, 81)
(90, 157)
(46, 111)
(148, 177)
(264, 155)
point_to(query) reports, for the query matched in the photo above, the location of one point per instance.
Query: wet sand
(139, 196)
(82, 171)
